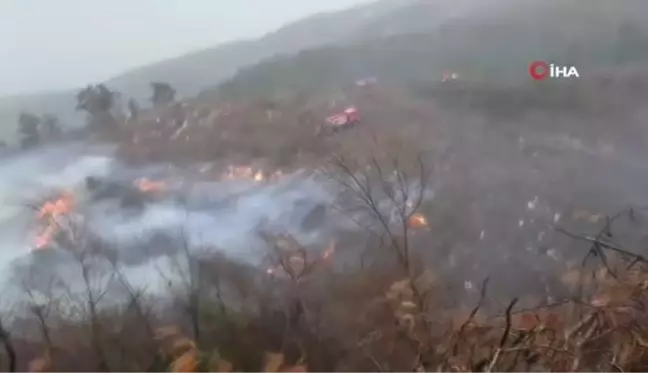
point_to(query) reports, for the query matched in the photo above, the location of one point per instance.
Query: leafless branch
(505, 335)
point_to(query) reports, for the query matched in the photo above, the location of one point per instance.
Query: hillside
(470, 224)
(195, 71)
(495, 46)
(406, 40)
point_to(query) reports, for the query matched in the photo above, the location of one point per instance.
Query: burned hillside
(501, 180)
(392, 193)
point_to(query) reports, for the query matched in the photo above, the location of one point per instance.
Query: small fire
(49, 216)
(236, 172)
(61, 206)
(148, 186)
(259, 176)
(244, 173)
(418, 221)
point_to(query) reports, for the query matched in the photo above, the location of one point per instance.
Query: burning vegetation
(412, 292)
(147, 186)
(250, 173)
(51, 218)
(344, 316)
(418, 221)
(243, 173)
(390, 300)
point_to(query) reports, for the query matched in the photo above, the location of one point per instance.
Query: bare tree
(10, 350)
(385, 197)
(390, 195)
(292, 269)
(187, 271)
(90, 254)
(41, 306)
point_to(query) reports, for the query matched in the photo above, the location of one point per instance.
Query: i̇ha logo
(541, 70)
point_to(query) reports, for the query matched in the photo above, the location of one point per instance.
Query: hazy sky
(59, 44)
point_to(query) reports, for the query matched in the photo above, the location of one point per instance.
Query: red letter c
(539, 70)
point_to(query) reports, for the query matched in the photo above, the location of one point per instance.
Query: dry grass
(309, 311)
(363, 320)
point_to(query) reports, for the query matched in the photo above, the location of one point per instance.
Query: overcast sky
(60, 44)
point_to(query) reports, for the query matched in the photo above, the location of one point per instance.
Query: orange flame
(418, 221)
(49, 216)
(243, 173)
(148, 186)
(259, 176)
(61, 206)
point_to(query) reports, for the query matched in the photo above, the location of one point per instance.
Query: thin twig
(505, 335)
(471, 316)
